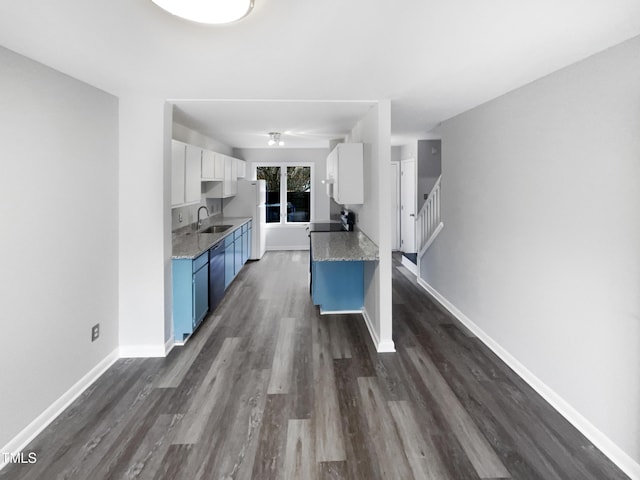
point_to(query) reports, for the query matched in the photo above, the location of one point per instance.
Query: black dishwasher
(216, 275)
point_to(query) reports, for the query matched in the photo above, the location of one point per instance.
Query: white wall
(541, 240)
(374, 216)
(192, 137)
(58, 204)
(145, 226)
(409, 150)
(292, 236)
(396, 153)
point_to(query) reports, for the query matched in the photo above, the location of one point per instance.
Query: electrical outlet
(95, 332)
(180, 217)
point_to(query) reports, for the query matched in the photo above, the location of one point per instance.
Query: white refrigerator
(250, 202)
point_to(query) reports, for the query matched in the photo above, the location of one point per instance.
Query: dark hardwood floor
(269, 389)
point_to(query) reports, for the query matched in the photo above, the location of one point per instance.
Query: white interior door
(395, 205)
(408, 205)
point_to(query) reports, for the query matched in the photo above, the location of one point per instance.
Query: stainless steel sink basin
(216, 229)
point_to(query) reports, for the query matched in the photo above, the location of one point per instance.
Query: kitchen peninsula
(337, 270)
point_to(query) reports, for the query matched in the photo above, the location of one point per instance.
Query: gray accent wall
(428, 156)
(429, 167)
(59, 197)
(541, 240)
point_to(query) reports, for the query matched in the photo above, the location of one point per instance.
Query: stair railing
(428, 221)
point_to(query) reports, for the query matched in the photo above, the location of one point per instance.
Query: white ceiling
(302, 124)
(432, 58)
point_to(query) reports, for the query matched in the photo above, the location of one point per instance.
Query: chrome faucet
(206, 210)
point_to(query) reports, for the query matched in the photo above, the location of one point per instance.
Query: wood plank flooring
(269, 389)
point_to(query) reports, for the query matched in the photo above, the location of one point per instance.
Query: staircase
(428, 222)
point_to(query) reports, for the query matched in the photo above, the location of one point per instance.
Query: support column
(144, 236)
(384, 220)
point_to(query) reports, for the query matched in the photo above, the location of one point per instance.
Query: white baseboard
(169, 344)
(56, 408)
(338, 312)
(599, 439)
(275, 248)
(369, 324)
(386, 346)
(142, 351)
(412, 267)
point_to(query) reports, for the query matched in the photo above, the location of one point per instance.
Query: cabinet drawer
(245, 227)
(229, 240)
(201, 261)
(237, 234)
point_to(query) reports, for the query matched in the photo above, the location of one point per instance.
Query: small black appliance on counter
(347, 223)
(348, 220)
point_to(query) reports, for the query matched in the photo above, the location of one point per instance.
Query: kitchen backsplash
(183, 216)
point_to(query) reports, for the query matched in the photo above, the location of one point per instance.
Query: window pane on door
(272, 177)
(298, 194)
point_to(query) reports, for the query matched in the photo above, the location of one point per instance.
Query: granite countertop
(188, 243)
(342, 246)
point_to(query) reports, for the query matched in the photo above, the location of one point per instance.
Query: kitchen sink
(216, 229)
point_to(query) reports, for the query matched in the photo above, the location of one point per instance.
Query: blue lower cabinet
(190, 279)
(229, 260)
(199, 283)
(238, 251)
(338, 286)
(246, 245)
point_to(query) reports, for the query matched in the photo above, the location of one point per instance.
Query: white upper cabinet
(219, 167)
(345, 174)
(208, 165)
(230, 185)
(332, 170)
(191, 165)
(242, 168)
(193, 172)
(177, 172)
(212, 166)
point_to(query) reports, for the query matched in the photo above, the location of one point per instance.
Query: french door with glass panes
(289, 192)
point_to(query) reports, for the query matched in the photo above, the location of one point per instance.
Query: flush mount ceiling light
(274, 139)
(207, 11)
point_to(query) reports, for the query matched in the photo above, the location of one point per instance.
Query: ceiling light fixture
(274, 139)
(207, 11)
